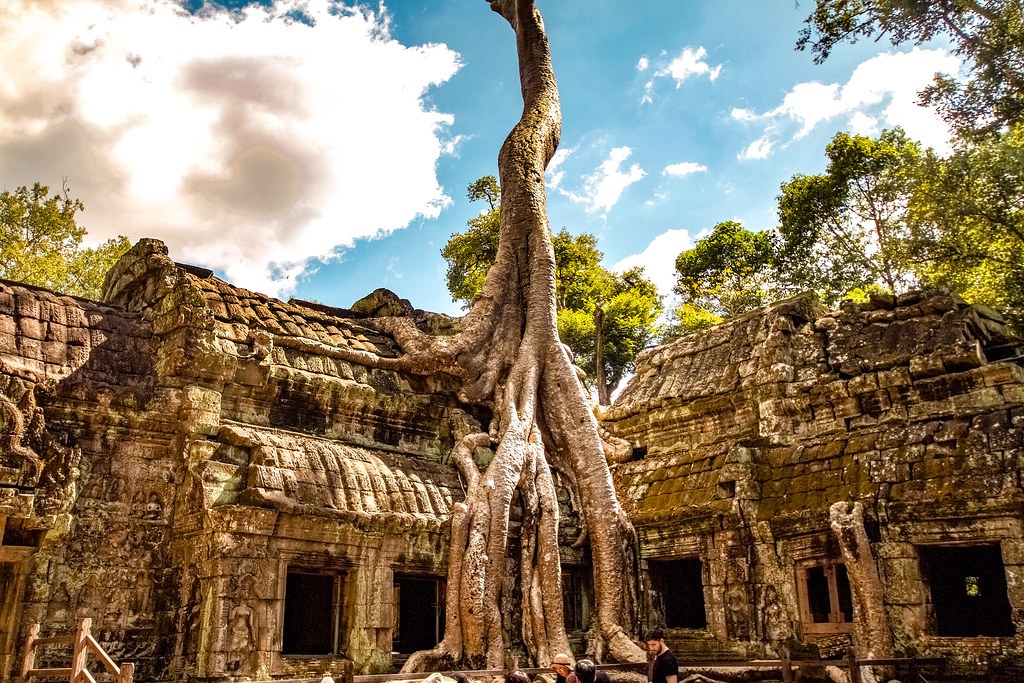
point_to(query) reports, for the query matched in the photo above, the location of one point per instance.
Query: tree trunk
(871, 635)
(510, 359)
(603, 395)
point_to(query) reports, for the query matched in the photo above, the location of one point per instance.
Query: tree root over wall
(509, 359)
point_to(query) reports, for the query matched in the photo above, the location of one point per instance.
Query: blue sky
(324, 158)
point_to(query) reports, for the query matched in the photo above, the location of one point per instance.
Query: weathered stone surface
(169, 457)
(893, 404)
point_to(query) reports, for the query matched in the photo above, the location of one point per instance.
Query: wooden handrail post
(787, 671)
(851, 658)
(80, 653)
(127, 673)
(28, 662)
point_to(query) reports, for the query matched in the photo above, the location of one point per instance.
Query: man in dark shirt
(585, 671)
(661, 663)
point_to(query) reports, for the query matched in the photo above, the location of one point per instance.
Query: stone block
(926, 366)
(894, 377)
(861, 384)
(31, 328)
(1012, 393)
(930, 409)
(951, 430)
(977, 401)
(997, 374)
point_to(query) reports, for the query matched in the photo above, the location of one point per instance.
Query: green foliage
(471, 253)
(40, 243)
(849, 228)
(987, 34)
(726, 273)
(629, 303)
(685, 319)
(968, 214)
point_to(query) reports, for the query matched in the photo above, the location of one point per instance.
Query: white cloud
(659, 259)
(248, 142)
(690, 63)
(881, 91)
(604, 187)
(758, 149)
(683, 169)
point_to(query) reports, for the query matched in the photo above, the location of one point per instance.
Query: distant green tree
(987, 34)
(605, 318)
(849, 229)
(728, 272)
(471, 253)
(968, 215)
(40, 243)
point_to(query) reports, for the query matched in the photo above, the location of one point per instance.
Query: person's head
(655, 640)
(602, 677)
(517, 676)
(585, 670)
(460, 677)
(561, 664)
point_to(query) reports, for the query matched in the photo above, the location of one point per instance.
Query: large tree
(849, 228)
(605, 318)
(509, 359)
(40, 243)
(987, 34)
(968, 217)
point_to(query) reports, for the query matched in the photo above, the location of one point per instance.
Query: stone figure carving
(242, 628)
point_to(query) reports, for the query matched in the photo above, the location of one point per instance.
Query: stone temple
(230, 489)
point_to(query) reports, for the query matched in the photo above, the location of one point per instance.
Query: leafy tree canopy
(848, 228)
(987, 34)
(727, 272)
(626, 304)
(40, 243)
(968, 213)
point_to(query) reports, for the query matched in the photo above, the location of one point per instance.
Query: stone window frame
(809, 550)
(440, 582)
(704, 569)
(837, 622)
(1000, 530)
(302, 563)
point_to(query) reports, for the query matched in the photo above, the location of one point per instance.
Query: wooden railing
(82, 643)
(784, 668)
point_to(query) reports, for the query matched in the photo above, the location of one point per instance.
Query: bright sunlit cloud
(684, 169)
(604, 187)
(882, 92)
(249, 142)
(690, 63)
(659, 259)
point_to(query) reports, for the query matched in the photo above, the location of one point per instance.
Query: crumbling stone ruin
(806, 476)
(230, 488)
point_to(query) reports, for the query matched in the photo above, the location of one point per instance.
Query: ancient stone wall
(746, 435)
(173, 456)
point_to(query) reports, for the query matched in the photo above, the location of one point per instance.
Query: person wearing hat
(562, 666)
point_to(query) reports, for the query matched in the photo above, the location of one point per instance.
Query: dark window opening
(677, 593)
(419, 614)
(826, 603)
(968, 590)
(311, 610)
(15, 532)
(575, 608)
